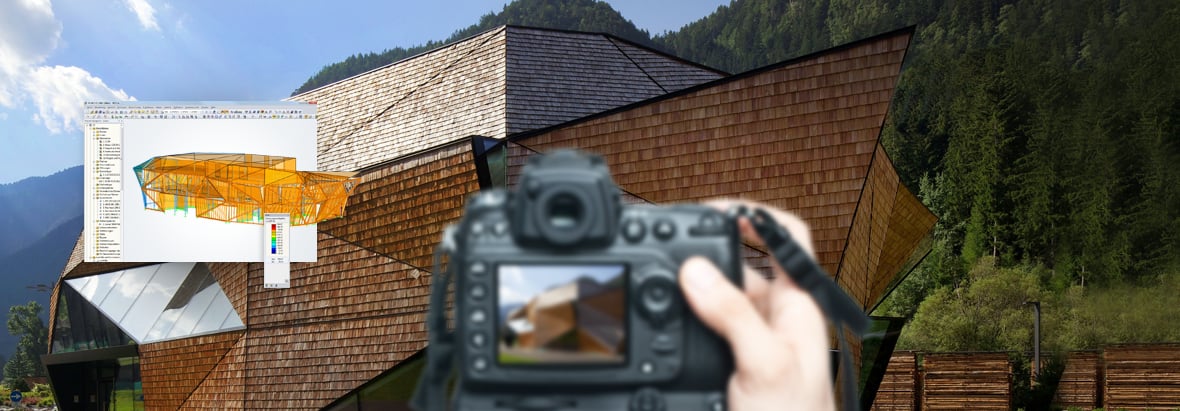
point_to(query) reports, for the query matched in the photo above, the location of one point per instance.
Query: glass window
(215, 316)
(391, 390)
(79, 326)
(128, 286)
(160, 302)
(192, 312)
(128, 388)
(497, 160)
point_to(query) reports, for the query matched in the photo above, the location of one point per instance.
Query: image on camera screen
(562, 314)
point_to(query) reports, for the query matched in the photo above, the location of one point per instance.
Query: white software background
(153, 236)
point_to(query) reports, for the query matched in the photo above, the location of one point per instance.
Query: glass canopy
(161, 302)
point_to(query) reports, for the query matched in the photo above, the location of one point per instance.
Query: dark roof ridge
(628, 42)
(910, 30)
(424, 53)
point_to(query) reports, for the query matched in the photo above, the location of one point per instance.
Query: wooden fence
(1142, 376)
(1081, 381)
(900, 386)
(1131, 377)
(958, 381)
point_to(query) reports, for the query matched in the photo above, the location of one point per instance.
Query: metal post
(1036, 338)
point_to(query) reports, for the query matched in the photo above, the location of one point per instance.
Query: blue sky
(55, 54)
(520, 283)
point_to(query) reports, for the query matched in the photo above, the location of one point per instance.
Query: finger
(747, 230)
(727, 311)
(795, 225)
(794, 314)
(799, 324)
(758, 289)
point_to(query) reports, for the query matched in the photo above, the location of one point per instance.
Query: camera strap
(430, 394)
(840, 309)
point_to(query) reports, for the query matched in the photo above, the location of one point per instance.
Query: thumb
(726, 310)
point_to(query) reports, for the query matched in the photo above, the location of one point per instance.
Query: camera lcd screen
(562, 314)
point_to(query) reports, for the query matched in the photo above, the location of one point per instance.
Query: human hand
(776, 331)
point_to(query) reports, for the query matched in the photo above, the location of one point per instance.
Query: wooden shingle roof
(411, 105)
(554, 76)
(503, 81)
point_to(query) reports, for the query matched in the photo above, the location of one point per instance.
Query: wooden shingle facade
(802, 135)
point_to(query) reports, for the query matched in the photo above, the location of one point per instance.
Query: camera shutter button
(664, 229)
(633, 230)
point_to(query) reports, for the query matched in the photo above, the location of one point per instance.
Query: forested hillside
(1045, 134)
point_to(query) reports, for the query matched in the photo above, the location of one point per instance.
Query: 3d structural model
(241, 188)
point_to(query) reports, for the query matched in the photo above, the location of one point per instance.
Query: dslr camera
(567, 299)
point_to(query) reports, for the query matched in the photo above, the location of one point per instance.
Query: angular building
(425, 133)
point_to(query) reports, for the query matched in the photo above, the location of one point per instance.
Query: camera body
(567, 299)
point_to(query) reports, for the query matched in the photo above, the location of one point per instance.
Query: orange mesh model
(240, 188)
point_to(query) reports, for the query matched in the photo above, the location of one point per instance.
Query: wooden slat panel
(359, 308)
(909, 225)
(171, 370)
(496, 83)
(400, 210)
(870, 228)
(1142, 376)
(307, 366)
(976, 381)
(225, 386)
(899, 387)
(346, 282)
(432, 98)
(1080, 381)
(672, 75)
(799, 137)
(553, 77)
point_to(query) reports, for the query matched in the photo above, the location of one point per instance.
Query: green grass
(516, 359)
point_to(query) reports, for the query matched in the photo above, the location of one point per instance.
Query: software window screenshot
(204, 182)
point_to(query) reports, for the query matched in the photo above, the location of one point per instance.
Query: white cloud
(29, 33)
(58, 92)
(145, 13)
(510, 296)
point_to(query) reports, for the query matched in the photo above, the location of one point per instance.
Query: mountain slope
(29, 273)
(30, 208)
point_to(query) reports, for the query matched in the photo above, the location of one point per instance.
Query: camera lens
(564, 211)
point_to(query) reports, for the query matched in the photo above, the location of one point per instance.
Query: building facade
(425, 133)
